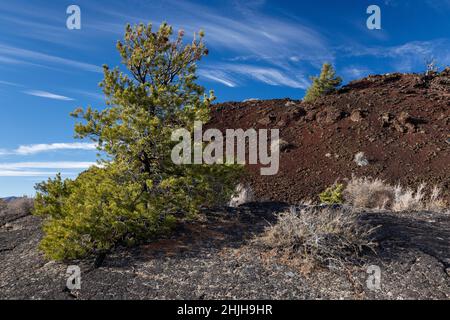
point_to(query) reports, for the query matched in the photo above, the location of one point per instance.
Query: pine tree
(325, 84)
(138, 190)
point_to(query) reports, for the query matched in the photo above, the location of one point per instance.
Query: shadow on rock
(425, 232)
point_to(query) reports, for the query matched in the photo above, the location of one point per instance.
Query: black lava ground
(216, 259)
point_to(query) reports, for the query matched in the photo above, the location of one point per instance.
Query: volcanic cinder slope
(400, 121)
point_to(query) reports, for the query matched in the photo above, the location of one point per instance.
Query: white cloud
(12, 173)
(253, 33)
(8, 83)
(32, 169)
(270, 76)
(242, 33)
(39, 148)
(248, 6)
(49, 31)
(218, 76)
(408, 56)
(89, 94)
(267, 75)
(245, 33)
(15, 53)
(46, 165)
(48, 95)
(355, 72)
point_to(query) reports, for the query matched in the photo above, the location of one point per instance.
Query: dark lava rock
(216, 259)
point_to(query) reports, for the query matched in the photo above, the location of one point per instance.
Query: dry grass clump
(436, 202)
(408, 199)
(368, 193)
(322, 236)
(376, 194)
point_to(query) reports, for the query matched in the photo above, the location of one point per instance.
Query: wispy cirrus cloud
(27, 173)
(20, 55)
(250, 31)
(48, 95)
(270, 76)
(39, 148)
(88, 94)
(219, 76)
(441, 6)
(247, 32)
(43, 31)
(12, 61)
(355, 72)
(46, 165)
(32, 169)
(405, 57)
(11, 84)
(52, 32)
(227, 73)
(282, 47)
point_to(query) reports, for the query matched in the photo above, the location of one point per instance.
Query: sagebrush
(323, 236)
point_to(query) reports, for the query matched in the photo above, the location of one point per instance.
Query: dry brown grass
(319, 236)
(376, 194)
(368, 193)
(20, 206)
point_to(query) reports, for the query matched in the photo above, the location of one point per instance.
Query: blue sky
(258, 49)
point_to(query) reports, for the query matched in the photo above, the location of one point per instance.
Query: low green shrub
(94, 213)
(333, 195)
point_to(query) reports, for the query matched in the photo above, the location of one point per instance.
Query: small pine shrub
(95, 212)
(324, 84)
(139, 190)
(333, 195)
